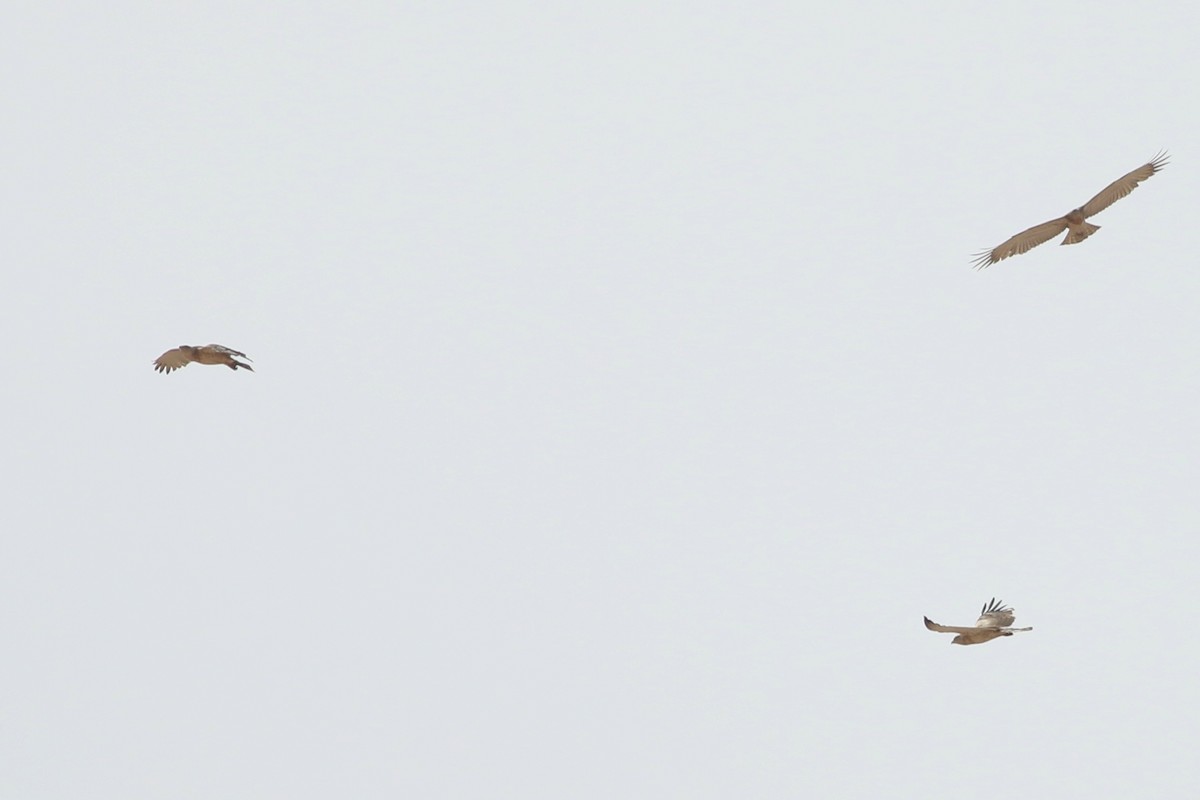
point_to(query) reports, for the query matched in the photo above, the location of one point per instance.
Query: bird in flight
(1073, 223)
(994, 621)
(208, 354)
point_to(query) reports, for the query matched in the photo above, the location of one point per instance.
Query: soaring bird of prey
(1073, 223)
(208, 354)
(994, 621)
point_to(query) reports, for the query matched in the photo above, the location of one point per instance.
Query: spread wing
(933, 626)
(172, 360)
(1123, 186)
(995, 615)
(1022, 242)
(220, 348)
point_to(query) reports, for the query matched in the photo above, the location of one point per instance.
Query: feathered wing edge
(992, 606)
(1123, 185)
(995, 614)
(1020, 243)
(173, 359)
(933, 626)
(229, 350)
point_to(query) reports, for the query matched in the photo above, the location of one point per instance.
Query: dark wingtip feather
(982, 260)
(991, 606)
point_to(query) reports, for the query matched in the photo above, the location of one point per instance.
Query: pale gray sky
(624, 398)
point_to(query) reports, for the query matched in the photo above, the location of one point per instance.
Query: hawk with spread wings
(994, 621)
(1073, 223)
(208, 354)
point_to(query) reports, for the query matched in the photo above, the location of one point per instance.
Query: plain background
(624, 396)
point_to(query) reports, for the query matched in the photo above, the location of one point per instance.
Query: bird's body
(1073, 222)
(1077, 229)
(207, 354)
(994, 621)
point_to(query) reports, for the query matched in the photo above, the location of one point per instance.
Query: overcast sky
(623, 398)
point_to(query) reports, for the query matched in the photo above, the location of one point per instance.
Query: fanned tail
(1077, 236)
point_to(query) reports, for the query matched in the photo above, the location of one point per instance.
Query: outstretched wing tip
(992, 605)
(982, 259)
(1122, 186)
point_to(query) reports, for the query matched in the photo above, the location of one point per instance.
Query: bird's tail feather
(1076, 236)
